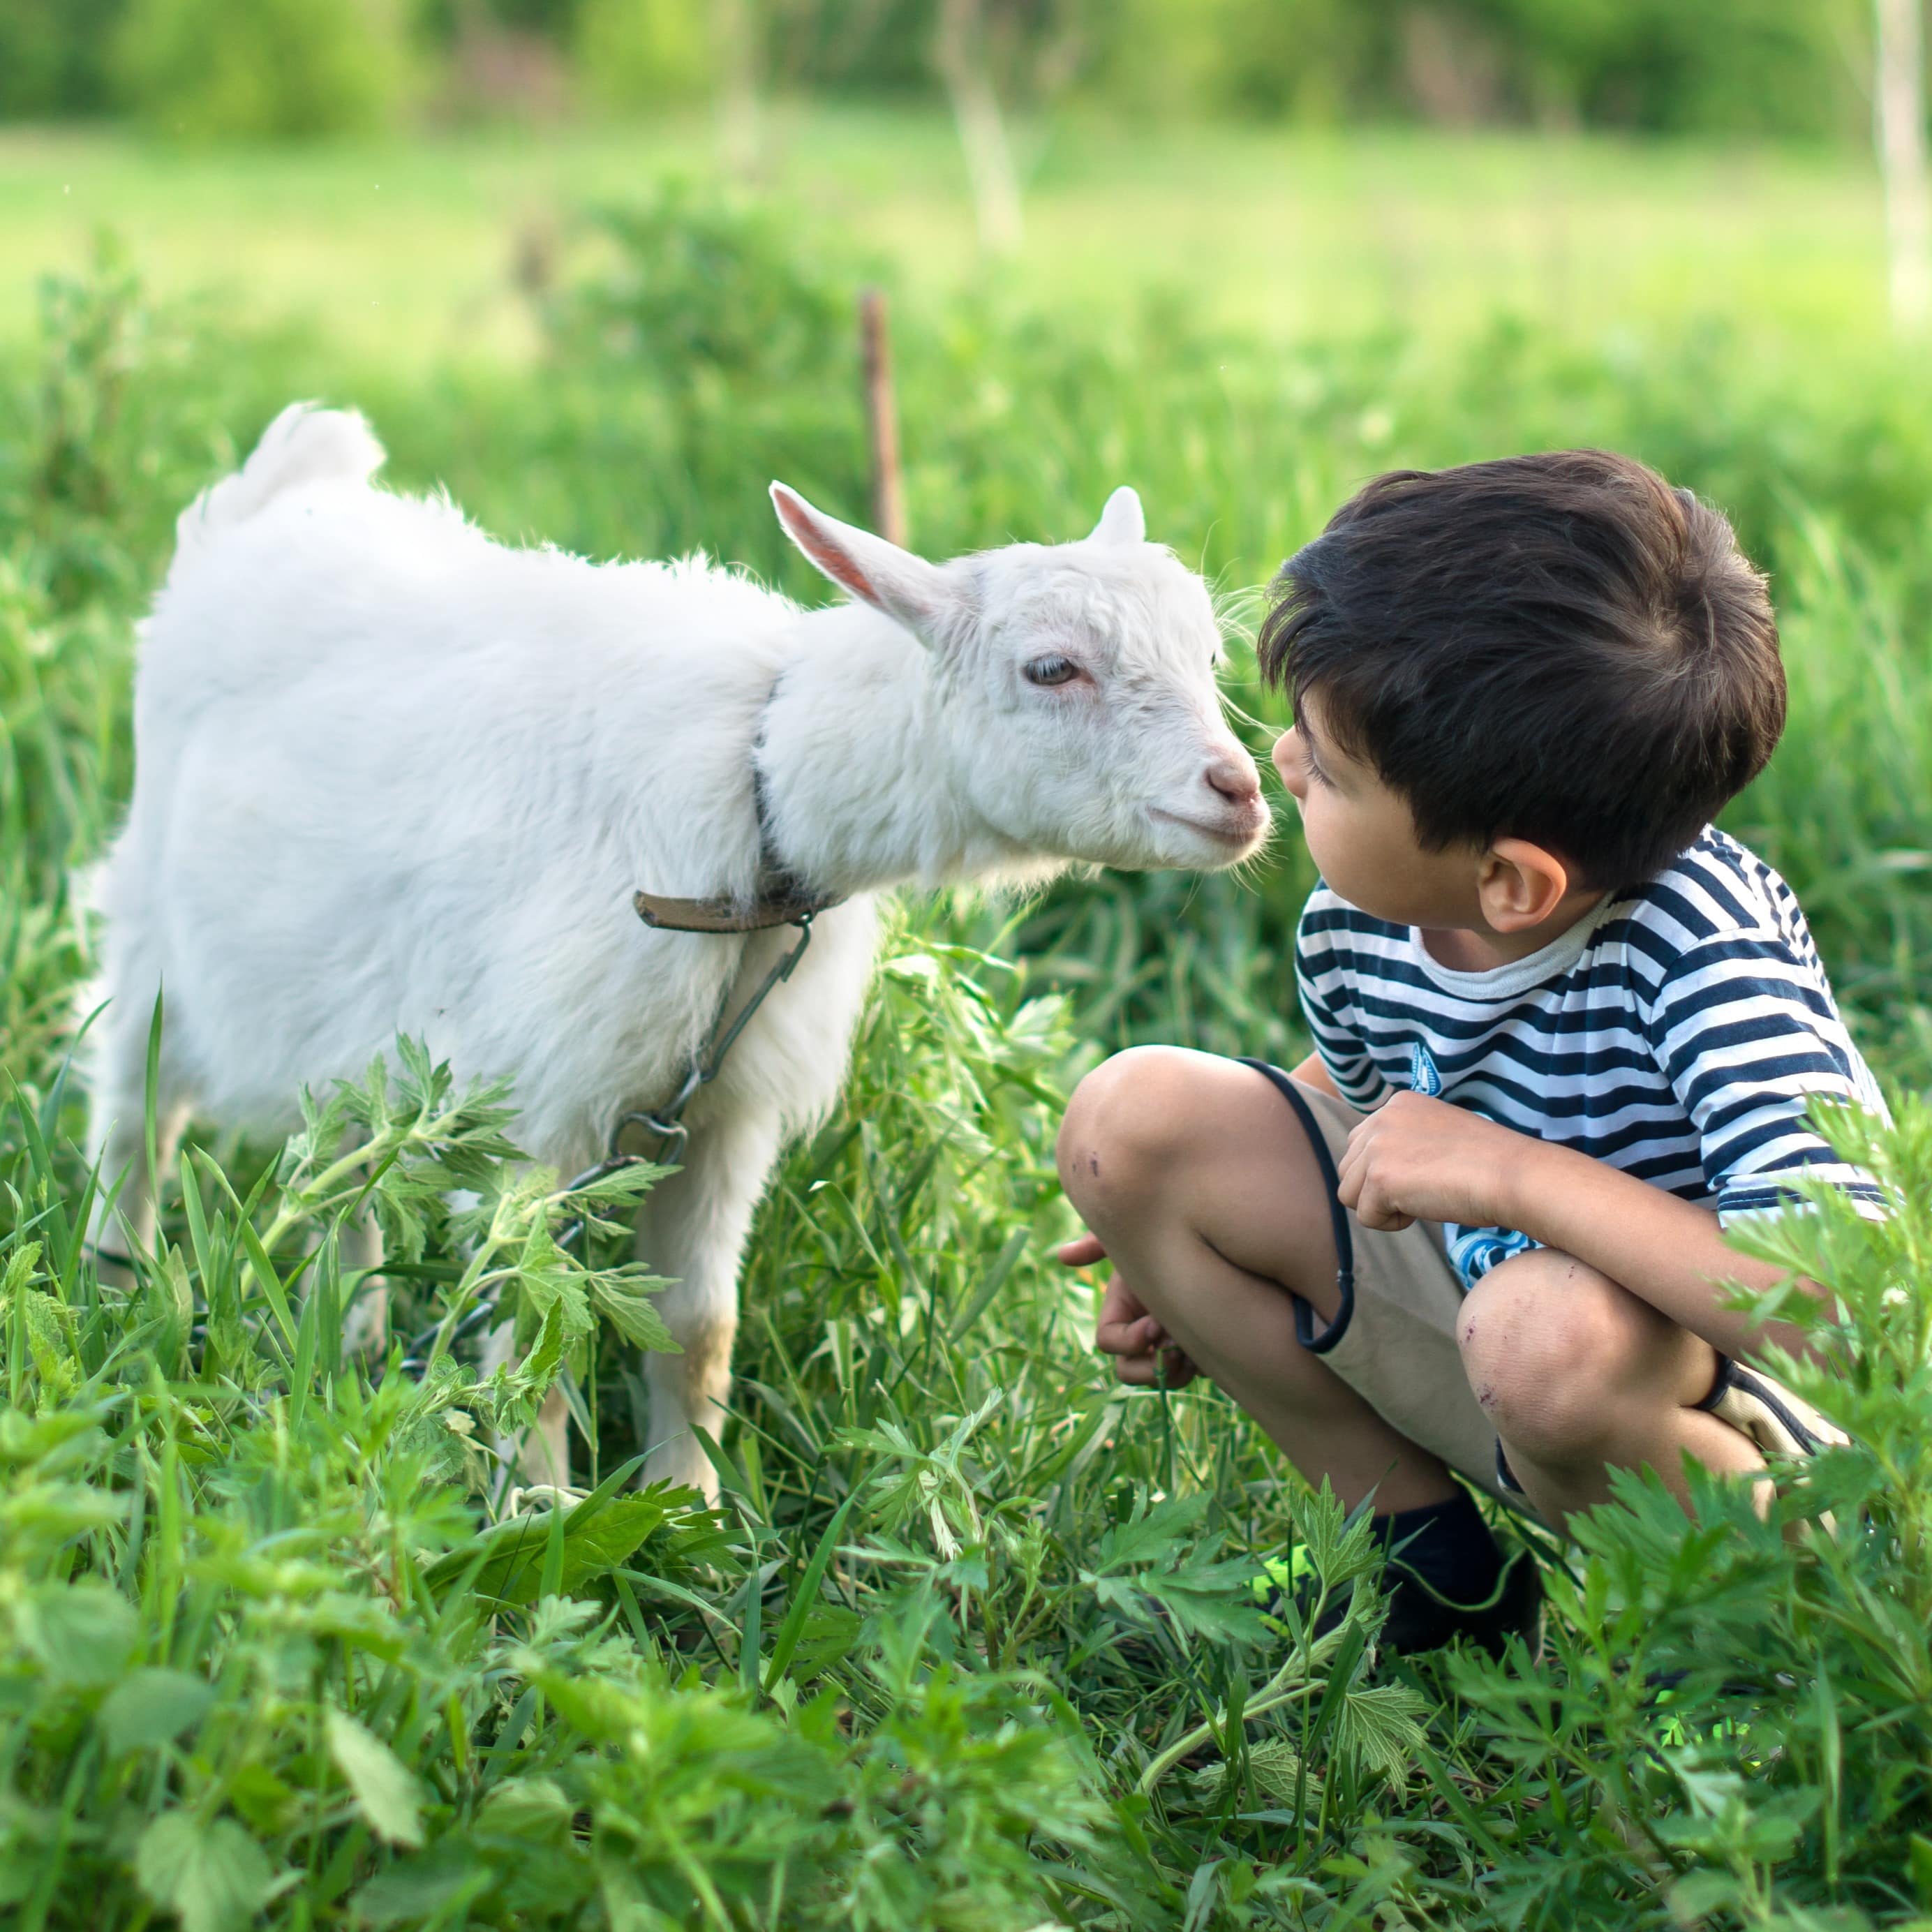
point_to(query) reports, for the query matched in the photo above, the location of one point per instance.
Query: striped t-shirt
(1678, 1031)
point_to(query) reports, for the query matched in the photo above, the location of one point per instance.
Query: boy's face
(1362, 837)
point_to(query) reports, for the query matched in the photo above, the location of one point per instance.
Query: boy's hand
(1143, 1355)
(1419, 1159)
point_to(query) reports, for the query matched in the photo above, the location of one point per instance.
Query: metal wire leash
(666, 1122)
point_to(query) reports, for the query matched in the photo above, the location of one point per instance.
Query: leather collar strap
(782, 899)
(788, 907)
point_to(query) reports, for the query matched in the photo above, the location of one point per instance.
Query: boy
(1564, 1031)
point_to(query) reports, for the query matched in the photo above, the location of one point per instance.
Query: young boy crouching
(1565, 1031)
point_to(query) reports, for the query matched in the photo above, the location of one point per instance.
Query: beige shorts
(1393, 1339)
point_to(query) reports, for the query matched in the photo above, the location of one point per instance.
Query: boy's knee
(1126, 1124)
(1544, 1339)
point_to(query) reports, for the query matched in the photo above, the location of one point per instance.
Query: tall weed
(976, 1638)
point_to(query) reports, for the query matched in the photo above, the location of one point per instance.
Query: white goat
(392, 776)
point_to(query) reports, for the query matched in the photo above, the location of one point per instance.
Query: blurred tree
(221, 70)
(1732, 67)
(647, 53)
(1726, 66)
(742, 27)
(498, 61)
(1775, 68)
(1899, 94)
(962, 57)
(1031, 50)
(52, 62)
(1306, 60)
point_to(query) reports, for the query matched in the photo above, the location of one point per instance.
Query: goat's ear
(907, 588)
(1123, 521)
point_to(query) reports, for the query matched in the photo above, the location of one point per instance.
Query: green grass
(973, 1642)
(403, 253)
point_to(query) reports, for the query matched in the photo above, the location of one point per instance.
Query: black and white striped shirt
(1679, 1031)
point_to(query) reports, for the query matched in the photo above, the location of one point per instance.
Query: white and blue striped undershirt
(1679, 1031)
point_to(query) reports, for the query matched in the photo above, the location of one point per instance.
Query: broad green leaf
(528, 1808)
(534, 1374)
(625, 1306)
(21, 1264)
(1209, 1599)
(1699, 1893)
(212, 1875)
(386, 1792)
(413, 1890)
(1151, 1537)
(82, 1633)
(47, 1341)
(1277, 1769)
(1382, 1723)
(152, 1707)
(512, 1553)
(1919, 1859)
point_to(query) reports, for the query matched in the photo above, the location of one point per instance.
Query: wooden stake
(882, 420)
(1901, 127)
(960, 53)
(740, 71)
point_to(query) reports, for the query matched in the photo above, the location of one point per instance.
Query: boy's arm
(1312, 1073)
(1424, 1160)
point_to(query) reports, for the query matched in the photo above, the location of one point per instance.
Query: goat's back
(392, 775)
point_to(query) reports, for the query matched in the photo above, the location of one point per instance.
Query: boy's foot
(1447, 1582)
(1419, 1619)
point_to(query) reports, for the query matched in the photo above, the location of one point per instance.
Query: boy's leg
(1201, 1180)
(1202, 1186)
(1580, 1377)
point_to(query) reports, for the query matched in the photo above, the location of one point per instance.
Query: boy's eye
(1051, 670)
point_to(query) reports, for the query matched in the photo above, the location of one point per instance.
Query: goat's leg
(693, 1230)
(541, 1454)
(122, 1224)
(358, 1249)
(365, 1325)
(119, 1231)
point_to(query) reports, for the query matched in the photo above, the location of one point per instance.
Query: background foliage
(975, 1641)
(198, 70)
(250, 67)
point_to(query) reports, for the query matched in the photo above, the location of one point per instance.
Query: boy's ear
(1520, 885)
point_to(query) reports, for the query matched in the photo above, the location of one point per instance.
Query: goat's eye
(1051, 670)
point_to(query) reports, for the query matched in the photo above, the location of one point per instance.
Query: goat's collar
(782, 898)
(771, 907)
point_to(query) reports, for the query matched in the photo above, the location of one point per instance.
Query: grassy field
(404, 254)
(974, 1643)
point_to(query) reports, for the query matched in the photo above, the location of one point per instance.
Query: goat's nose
(1234, 778)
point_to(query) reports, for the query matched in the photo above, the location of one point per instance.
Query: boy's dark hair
(1560, 648)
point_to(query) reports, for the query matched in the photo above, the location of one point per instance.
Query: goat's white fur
(393, 776)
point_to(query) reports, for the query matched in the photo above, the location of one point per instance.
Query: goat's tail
(303, 445)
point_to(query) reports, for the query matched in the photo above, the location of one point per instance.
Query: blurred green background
(596, 268)
(383, 166)
(593, 264)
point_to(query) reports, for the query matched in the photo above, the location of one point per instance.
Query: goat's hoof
(528, 1499)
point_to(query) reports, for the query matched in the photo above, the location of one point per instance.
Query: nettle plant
(263, 1650)
(265, 1659)
(948, 1655)
(1734, 1727)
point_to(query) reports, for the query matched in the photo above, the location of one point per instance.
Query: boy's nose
(1286, 761)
